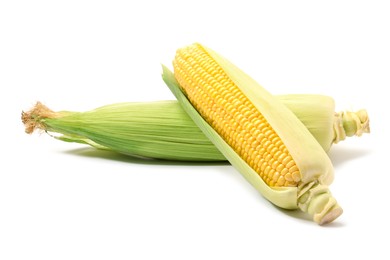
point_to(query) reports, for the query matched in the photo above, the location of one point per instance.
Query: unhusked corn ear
(256, 133)
(162, 130)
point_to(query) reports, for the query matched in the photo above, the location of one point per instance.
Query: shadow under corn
(339, 154)
(115, 156)
(304, 217)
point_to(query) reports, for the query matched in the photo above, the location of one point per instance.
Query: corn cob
(163, 130)
(259, 136)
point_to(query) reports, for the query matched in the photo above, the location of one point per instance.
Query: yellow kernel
(290, 164)
(276, 176)
(293, 169)
(286, 160)
(280, 181)
(288, 177)
(296, 176)
(284, 171)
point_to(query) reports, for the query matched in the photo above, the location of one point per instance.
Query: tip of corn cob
(330, 216)
(32, 119)
(351, 124)
(316, 199)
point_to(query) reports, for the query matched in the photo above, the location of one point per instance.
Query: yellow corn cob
(260, 136)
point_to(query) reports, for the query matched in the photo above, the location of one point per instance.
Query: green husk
(155, 129)
(162, 129)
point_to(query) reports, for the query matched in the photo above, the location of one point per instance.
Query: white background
(68, 201)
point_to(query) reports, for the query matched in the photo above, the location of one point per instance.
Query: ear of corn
(155, 130)
(284, 197)
(256, 132)
(161, 129)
